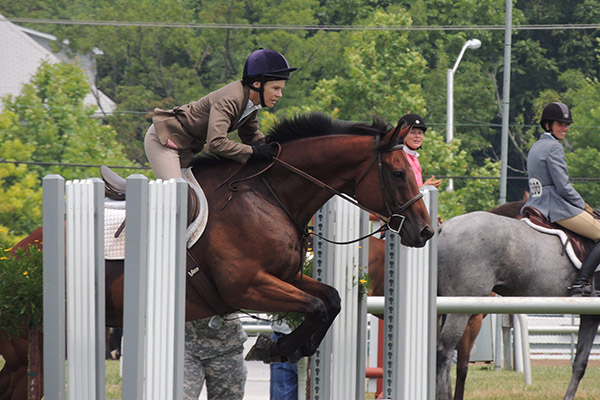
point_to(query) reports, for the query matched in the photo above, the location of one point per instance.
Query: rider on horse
(178, 134)
(551, 193)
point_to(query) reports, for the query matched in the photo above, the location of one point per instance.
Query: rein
(384, 188)
(326, 186)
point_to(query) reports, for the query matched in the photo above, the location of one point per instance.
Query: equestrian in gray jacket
(551, 193)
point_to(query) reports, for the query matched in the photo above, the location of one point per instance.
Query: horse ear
(398, 134)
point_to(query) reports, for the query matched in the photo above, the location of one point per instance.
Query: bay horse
(252, 250)
(481, 252)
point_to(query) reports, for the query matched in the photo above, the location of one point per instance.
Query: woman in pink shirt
(412, 142)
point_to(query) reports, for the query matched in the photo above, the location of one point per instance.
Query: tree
(48, 122)
(379, 74)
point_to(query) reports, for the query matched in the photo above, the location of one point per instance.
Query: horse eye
(398, 174)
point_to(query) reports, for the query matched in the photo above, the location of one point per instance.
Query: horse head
(389, 187)
(364, 162)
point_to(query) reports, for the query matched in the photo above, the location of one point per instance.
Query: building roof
(22, 50)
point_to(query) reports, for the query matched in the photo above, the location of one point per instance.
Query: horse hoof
(261, 351)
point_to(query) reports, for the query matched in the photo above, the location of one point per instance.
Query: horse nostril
(427, 232)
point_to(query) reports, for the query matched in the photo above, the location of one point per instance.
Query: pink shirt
(413, 160)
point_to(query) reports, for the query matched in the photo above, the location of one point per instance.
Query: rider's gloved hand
(263, 152)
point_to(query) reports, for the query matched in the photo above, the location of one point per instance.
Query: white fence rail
(154, 275)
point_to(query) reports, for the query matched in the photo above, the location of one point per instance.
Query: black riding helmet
(556, 112)
(265, 65)
(413, 120)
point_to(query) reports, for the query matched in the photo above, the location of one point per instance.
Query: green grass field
(549, 382)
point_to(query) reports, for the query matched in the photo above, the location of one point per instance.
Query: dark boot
(582, 286)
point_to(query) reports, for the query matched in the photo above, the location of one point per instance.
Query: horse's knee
(318, 311)
(335, 304)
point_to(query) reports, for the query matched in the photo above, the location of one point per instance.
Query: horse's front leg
(270, 294)
(452, 330)
(309, 333)
(588, 326)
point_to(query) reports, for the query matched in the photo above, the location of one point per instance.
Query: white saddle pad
(563, 238)
(114, 214)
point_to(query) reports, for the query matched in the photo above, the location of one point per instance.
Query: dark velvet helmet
(266, 65)
(412, 119)
(556, 112)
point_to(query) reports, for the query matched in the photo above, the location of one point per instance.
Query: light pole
(469, 44)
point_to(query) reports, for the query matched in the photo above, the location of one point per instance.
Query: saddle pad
(196, 228)
(114, 214)
(563, 238)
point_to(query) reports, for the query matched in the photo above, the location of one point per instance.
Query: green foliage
(379, 75)
(21, 294)
(349, 74)
(48, 122)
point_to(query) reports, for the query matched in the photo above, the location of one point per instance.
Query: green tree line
(350, 74)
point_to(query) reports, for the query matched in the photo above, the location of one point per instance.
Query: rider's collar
(250, 108)
(550, 134)
(410, 151)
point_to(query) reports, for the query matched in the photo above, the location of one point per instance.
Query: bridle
(395, 220)
(386, 187)
(390, 222)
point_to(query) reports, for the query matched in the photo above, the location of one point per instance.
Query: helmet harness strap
(260, 90)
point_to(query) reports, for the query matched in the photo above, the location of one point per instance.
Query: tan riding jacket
(208, 120)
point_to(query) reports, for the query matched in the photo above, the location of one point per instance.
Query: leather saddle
(115, 185)
(581, 245)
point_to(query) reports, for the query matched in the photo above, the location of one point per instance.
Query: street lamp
(469, 44)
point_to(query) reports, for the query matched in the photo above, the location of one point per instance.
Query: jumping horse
(481, 252)
(252, 250)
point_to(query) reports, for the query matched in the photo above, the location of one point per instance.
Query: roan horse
(252, 250)
(466, 342)
(481, 252)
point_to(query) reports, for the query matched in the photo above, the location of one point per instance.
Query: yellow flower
(26, 273)
(363, 281)
(8, 249)
(3, 258)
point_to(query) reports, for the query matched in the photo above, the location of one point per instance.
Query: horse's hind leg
(464, 347)
(588, 326)
(451, 332)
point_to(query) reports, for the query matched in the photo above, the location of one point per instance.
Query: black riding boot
(582, 285)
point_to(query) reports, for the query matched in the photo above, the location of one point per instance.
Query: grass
(549, 382)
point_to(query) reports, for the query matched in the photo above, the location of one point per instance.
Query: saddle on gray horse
(581, 245)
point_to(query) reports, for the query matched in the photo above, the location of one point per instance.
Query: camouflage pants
(225, 376)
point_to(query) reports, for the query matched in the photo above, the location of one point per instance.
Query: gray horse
(482, 252)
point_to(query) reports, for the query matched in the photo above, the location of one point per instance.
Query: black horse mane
(317, 124)
(305, 126)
